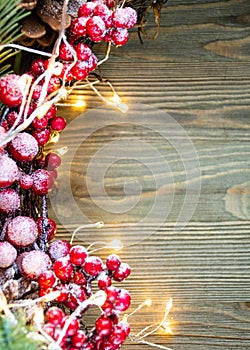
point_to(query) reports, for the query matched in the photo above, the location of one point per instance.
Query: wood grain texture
(198, 71)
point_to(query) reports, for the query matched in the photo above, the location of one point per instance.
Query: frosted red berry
(80, 70)
(10, 92)
(123, 300)
(78, 26)
(21, 231)
(46, 279)
(103, 280)
(9, 172)
(95, 28)
(40, 123)
(59, 249)
(9, 200)
(113, 261)
(83, 51)
(87, 9)
(79, 278)
(54, 84)
(65, 52)
(93, 265)
(42, 136)
(42, 182)
(26, 181)
(34, 263)
(50, 227)
(63, 269)
(8, 254)
(92, 62)
(120, 36)
(51, 112)
(23, 147)
(122, 272)
(124, 17)
(78, 339)
(73, 326)
(37, 67)
(104, 325)
(78, 255)
(54, 315)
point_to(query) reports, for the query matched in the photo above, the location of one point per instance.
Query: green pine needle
(14, 335)
(10, 16)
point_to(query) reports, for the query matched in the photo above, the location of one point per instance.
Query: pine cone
(42, 25)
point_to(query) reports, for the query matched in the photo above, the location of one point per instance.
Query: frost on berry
(8, 254)
(21, 231)
(124, 17)
(59, 249)
(9, 200)
(42, 181)
(10, 92)
(34, 263)
(23, 147)
(9, 172)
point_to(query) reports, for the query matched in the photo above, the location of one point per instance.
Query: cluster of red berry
(73, 273)
(27, 174)
(107, 334)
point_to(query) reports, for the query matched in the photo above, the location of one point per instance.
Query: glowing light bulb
(79, 104)
(116, 244)
(116, 98)
(167, 328)
(148, 302)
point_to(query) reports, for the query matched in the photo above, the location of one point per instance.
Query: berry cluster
(100, 20)
(107, 334)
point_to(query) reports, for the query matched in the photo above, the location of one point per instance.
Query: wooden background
(198, 71)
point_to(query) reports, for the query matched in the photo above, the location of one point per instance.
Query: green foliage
(10, 15)
(15, 335)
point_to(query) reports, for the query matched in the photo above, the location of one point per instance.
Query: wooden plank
(198, 72)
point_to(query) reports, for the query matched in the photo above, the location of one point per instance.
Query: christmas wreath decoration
(51, 280)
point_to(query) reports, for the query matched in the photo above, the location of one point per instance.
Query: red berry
(65, 53)
(78, 255)
(118, 336)
(122, 272)
(103, 11)
(123, 300)
(92, 62)
(46, 279)
(54, 315)
(34, 263)
(12, 119)
(24, 147)
(79, 278)
(42, 182)
(63, 269)
(26, 181)
(8, 171)
(66, 72)
(37, 66)
(51, 112)
(59, 249)
(87, 9)
(8, 254)
(95, 28)
(73, 326)
(80, 70)
(58, 123)
(78, 339)
(112, 293)
(52, 161)
(40, 123)
(120, 36)
(49, 329)
(64, 294)
(104, 280)
(104, 325)
(54, 84)
(113, 261)
(93, 265)
(83, 51)
(42, 136)
(124, 17)
(37, 92)
(10, 92)
(9, 200)
(50, 228)
(21, 231)
(78, 26)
